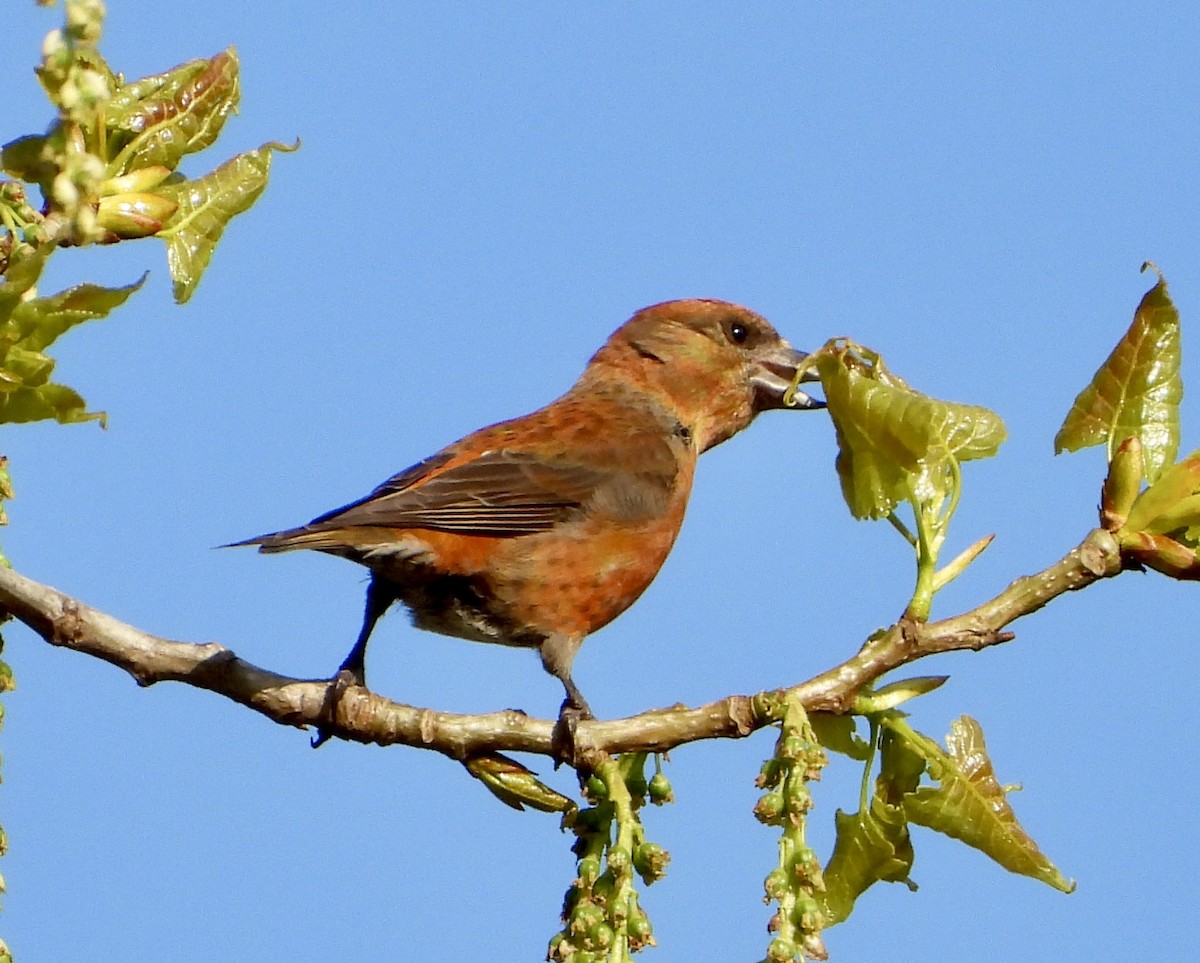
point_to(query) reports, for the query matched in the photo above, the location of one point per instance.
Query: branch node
(741, 714)
(1100, 553)
(910, 632)
(427, 725)
(67, 628)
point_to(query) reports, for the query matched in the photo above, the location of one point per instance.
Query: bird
(537, 531)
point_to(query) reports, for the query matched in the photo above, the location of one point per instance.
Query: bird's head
(714, 364)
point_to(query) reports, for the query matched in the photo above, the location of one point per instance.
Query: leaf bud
(129, 216)
(1122, 485)
(142, 179)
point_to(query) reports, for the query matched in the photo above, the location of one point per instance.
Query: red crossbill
(538, 531)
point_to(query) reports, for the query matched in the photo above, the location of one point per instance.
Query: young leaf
(837, 733)
(1162, 530)
(16, 285)
(30, 158)
(1137, 390)
(28, 327)
(1158, 509)
(159, 119)
(889, 435)
(1122, 484)
(877, 447)
(971, 805)
(205, 207)
(59, 402)
(45, 319)
(515, 785)
(870, 846)
(874, 845)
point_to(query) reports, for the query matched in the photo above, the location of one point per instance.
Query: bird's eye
(738, 332)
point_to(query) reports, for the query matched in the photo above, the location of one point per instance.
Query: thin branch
(363, 716)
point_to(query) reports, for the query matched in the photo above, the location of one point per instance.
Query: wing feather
(501, 493)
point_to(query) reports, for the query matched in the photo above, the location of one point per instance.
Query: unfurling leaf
(969, 804)
(873, 845)
(892, 439)
(514, 785)
(1169, 504)
(1162, 530)
(897, 693)
(837, 733)
(205, 207)
(1122, 484)
(30, 158)
(870, 846)
(130, 216)
(158, 120)
(953, 569)
(29, 325)
(43, 320)
(49, 401)
(1137, 390)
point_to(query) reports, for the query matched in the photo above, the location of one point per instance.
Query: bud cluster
(796, 882)
(602, 920)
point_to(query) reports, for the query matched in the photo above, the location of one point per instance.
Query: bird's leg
(574, 702)
(380, 597)
(353, 670)
(573, 711)
(558, 652)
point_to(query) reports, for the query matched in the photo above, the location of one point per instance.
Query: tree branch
(363, 716)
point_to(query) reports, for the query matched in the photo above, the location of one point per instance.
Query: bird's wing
(498, 493)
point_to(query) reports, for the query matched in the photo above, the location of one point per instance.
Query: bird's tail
(290, 540)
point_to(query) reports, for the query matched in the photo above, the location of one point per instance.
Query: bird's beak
(772, 377)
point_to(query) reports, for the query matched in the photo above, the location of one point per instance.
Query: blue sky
(484, 192)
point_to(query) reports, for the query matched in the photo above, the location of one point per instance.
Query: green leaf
(1163, 527)
(1137, 390)
(874, 845)
(1168, 504)
(24, 368)
(970, 805)
(837, 733)
(897, 693)
(28, 327)
(59, 402)
(870, 846)
(29, 158)
(205, 207)
(17, 283)
(160, 119)
(892, 439)
(48, 318)
(876, 452)
(1174, 557)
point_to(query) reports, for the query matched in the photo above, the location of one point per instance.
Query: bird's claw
(333, 695)
(564, 744)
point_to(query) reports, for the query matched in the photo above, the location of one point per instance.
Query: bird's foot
(345, 678)
(563, 741)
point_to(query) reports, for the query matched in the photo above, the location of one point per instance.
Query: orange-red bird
(538, 531)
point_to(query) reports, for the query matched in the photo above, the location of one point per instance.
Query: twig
(363, 716)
